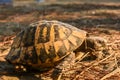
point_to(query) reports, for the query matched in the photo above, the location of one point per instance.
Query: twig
(116, 62)
(82, 57)
(113, 72)
(110, 74)
(98, 62)
(59, 78)
(93, 65)
(1, 55)
(6, 72)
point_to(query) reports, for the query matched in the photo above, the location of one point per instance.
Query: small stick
(110, 74)
(93, 65)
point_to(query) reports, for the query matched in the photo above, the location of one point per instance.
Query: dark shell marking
(44, 43)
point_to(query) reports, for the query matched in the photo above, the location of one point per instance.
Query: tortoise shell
(44, 43)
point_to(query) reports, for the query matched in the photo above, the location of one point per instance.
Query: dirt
(97, 19)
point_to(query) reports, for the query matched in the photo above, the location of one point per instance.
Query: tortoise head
(92, 43)
(96, 43)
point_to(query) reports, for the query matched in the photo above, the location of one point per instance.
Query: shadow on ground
(7, 72)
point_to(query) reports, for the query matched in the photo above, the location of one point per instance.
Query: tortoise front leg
(63, 66)
(93, 46)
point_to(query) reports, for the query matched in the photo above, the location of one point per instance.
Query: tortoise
(47, 44)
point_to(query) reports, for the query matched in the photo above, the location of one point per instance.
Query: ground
(97, 19)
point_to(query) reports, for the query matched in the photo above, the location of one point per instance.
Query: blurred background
(99, 18)
(24, 2)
